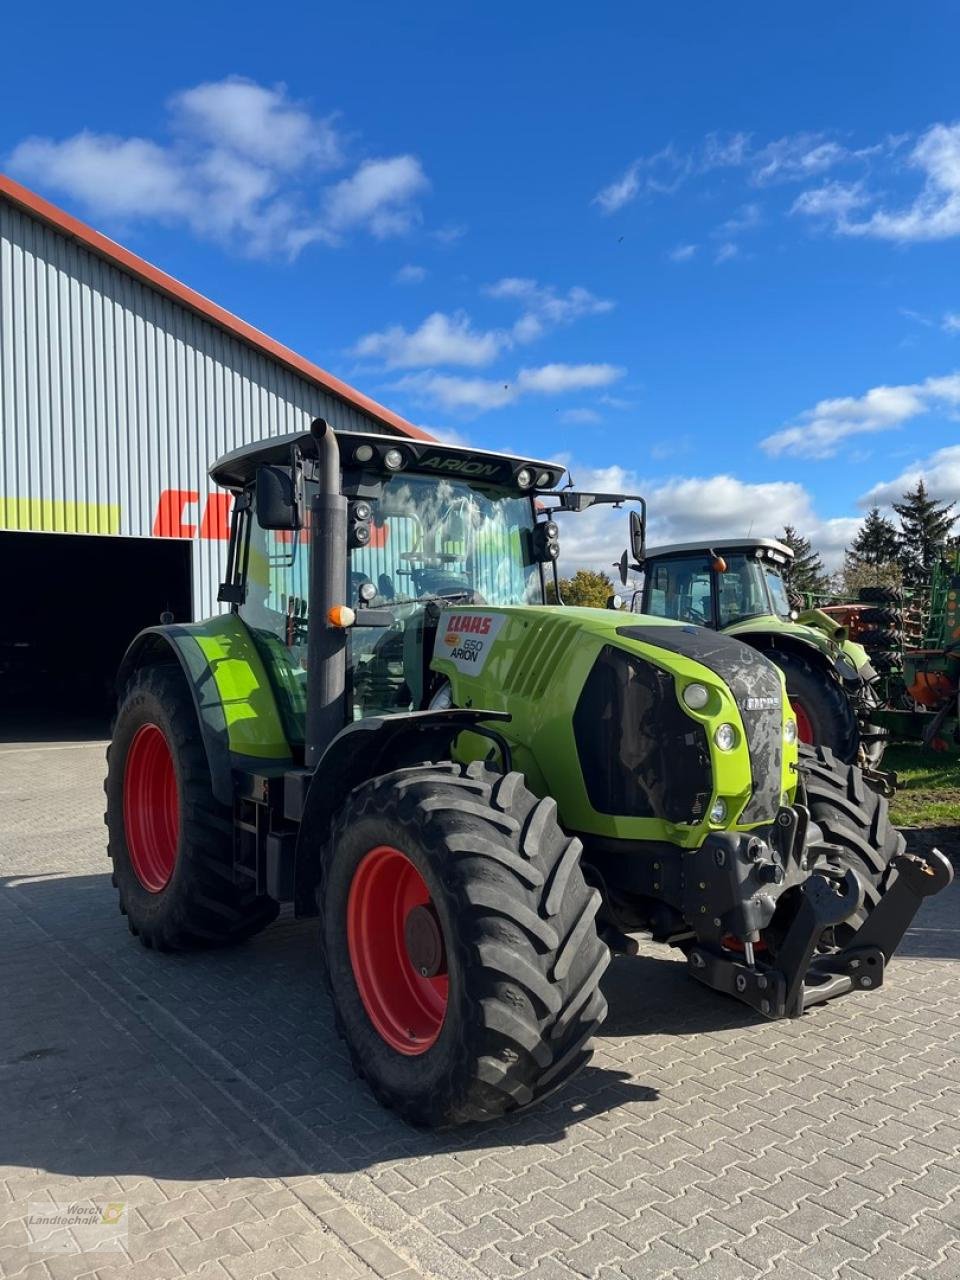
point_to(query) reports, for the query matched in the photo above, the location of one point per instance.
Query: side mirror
(277, 503)
(638, 537)
(623, 564)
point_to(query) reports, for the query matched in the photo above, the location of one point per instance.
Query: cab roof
(237, 470)
(721, 544)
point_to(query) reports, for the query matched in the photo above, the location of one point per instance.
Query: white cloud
(259, 123)
(477, 395)
(747, 218)
(940, 473)
(951, 322)
(580, 417)
(244, 165)
(543, 307)
(682, 252)
(695, 508)
(379, 195)
(819, 431)
(410, 274)
(834, 201)
(917, 317)
(934, 214)
(120, 176)
(795, 158)
(658, 174)
(726, 252)
(444, 339)
(440, 339)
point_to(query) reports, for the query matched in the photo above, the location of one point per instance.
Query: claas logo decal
(464, 636)
(473, 623)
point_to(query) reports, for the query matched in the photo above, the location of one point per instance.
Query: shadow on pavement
(115, 1060)
(119, 1061)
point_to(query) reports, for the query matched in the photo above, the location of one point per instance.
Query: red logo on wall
(179, 515)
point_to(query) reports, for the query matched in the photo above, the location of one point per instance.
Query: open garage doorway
(69, 606)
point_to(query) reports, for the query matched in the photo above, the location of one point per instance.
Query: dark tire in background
(855, 819)
(880, 638)
(170, 840)
(824, 713)
(880, 595)
(459, 943)
(881, 617)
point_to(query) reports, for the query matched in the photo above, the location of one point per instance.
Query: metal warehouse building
(118, 387)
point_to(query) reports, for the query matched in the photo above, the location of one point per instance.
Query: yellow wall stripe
(53, 515)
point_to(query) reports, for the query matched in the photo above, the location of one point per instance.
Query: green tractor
(479, 795)
(736, 585)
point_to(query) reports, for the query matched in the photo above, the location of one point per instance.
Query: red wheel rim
(151, 808)
(406, 1007)
(804, 727)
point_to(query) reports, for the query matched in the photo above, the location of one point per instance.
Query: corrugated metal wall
(114, 400)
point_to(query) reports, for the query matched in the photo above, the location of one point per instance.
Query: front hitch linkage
(801, 977)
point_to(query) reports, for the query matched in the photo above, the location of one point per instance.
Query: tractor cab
(729, 582)
(426, 526)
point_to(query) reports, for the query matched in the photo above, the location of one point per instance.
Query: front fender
(364, 750)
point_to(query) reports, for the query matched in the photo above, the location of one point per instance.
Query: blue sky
(707, 251)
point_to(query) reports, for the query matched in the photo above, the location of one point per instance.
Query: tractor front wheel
(855, 823)
(825, 716)
(170, 840)
(459, 943)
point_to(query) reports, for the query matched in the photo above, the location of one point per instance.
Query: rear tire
(825, 715)
(854, 818)
(507, 1017)
(170, 840)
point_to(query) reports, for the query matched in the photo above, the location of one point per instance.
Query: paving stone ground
(209, 1092)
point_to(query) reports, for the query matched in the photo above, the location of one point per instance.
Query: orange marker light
(341, 615)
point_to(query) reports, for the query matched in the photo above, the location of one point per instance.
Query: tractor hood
(600, 720)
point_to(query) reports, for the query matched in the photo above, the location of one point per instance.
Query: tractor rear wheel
(825, 715)
(855, 820)
(459, 943)
(170, 840)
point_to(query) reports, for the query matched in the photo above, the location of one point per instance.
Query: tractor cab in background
(739, 586)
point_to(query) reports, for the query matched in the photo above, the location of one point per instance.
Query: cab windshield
(441, 538)
(433, 541)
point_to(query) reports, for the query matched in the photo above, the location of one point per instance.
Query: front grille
(755, 684)
(640, 755)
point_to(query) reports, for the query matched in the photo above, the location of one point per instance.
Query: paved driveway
(210, 1094)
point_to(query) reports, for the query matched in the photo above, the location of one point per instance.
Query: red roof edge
(157, 279)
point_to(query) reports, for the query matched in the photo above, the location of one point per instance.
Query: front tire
(855, 820)
(170, 840)
(459, 943)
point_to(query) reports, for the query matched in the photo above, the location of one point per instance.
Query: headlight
(393, 459)
(696, 696)
(718, 812)
(790, 731)
(725, 737)
(524, 477)
(543, 480)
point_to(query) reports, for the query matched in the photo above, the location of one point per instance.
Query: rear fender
(237, 713)
(367, 749)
